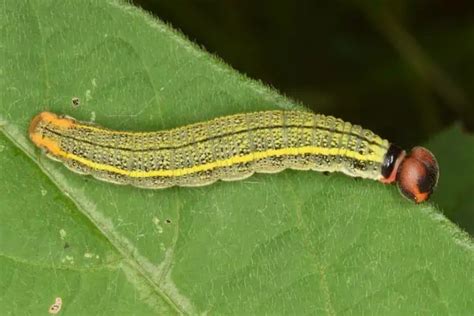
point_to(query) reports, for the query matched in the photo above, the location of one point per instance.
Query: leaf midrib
(22, 146)
(136, 265)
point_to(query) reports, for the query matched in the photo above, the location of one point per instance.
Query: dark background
(404, 68)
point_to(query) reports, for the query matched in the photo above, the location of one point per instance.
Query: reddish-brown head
(417, 174)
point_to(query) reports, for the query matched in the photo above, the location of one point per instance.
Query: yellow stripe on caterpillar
(222, 163)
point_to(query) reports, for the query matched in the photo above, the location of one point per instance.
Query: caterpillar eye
(391, 162)
(417, 175)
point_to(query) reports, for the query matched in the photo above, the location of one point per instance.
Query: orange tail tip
(34, 123)
(49, 118)
(417, 175)
(36, 134)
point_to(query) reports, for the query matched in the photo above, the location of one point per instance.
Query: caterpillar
(233, 148)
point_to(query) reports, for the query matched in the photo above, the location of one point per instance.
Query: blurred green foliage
(402, 68)
(454, 151)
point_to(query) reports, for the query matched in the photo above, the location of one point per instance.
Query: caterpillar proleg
(232, 148)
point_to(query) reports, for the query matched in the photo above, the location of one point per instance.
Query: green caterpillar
(232, 148)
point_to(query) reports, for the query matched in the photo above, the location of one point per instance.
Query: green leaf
(289, 243)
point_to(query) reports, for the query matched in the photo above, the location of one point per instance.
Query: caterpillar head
(417, 174)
